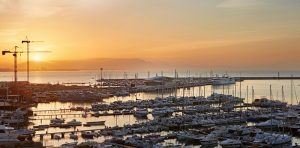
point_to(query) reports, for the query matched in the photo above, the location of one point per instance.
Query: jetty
(267, 78)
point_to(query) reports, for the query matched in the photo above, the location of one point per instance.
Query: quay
(44, 115)
(267, 78)
(53, 110)
(41, 135)
(49, 117)
(207, 78)
(65, 132)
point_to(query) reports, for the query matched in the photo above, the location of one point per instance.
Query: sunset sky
(236, 34)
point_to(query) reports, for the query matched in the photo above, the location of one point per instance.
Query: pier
(52, 110)
(267, 78)
(41, 135)
(65, 132)
(49, 116)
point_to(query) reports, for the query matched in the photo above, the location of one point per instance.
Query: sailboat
(231, 143)
(272, 139)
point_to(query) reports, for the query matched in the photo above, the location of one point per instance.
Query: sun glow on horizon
(37, 58)
(121, 34)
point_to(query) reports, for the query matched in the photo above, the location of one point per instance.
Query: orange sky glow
(235, 34)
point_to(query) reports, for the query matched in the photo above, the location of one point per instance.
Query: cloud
(30, 8)
(239, 3)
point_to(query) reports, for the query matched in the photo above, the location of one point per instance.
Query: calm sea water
(261, 88)
(91, 75)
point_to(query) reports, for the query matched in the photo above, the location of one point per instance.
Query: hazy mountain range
(87, 64)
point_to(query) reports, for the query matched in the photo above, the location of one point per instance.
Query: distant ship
(225, 80)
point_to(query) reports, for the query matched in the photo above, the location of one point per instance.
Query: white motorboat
(122, 93)
(57, 121)
(231, 143)
(24, 132)
(126, 111)
(269, 123)
(162, 112)
(73, 136)
(87, 135)
(96, 114)
(8, 133)
(264, 102)
(272, 139)
(117, 112)
(223, 80)
(69, 145)
(141, 113)
(74, 122)
(56, 137)
(209, 141)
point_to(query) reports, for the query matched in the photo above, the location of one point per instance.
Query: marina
(188, 116)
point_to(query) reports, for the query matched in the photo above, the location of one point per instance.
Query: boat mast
(228, 90)
(162, 84)
(252, 96)
(200, 93)
(292, 95)
(204, 91)
(223, 89)
(283, 100)
(247, 95)
(175, 84)
(193, 90)
(282, 94)
(234, 89)
(240, 89)
(271, 98)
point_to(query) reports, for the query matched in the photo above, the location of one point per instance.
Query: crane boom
(15, 54)
(28, 51)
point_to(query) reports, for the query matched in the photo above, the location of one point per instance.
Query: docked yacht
(7, 134)
(69, 145)
(126, 112)
(269, 123)
(57, 137)
(162, 112)
(264, 102)
(73, 136)
(209, 141)
(74, 122)
(141, 113)
(272, 139)
(57, 121)
(96, 114)
(122, 93)
(223, 80)
(231, 143)
(87, 135)
(117, 112)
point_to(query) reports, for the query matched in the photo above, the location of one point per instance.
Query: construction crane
(15, 54)
(28, 43)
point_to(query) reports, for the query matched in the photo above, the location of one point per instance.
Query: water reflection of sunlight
(261, 89)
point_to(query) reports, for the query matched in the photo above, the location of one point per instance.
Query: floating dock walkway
(267, 78)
